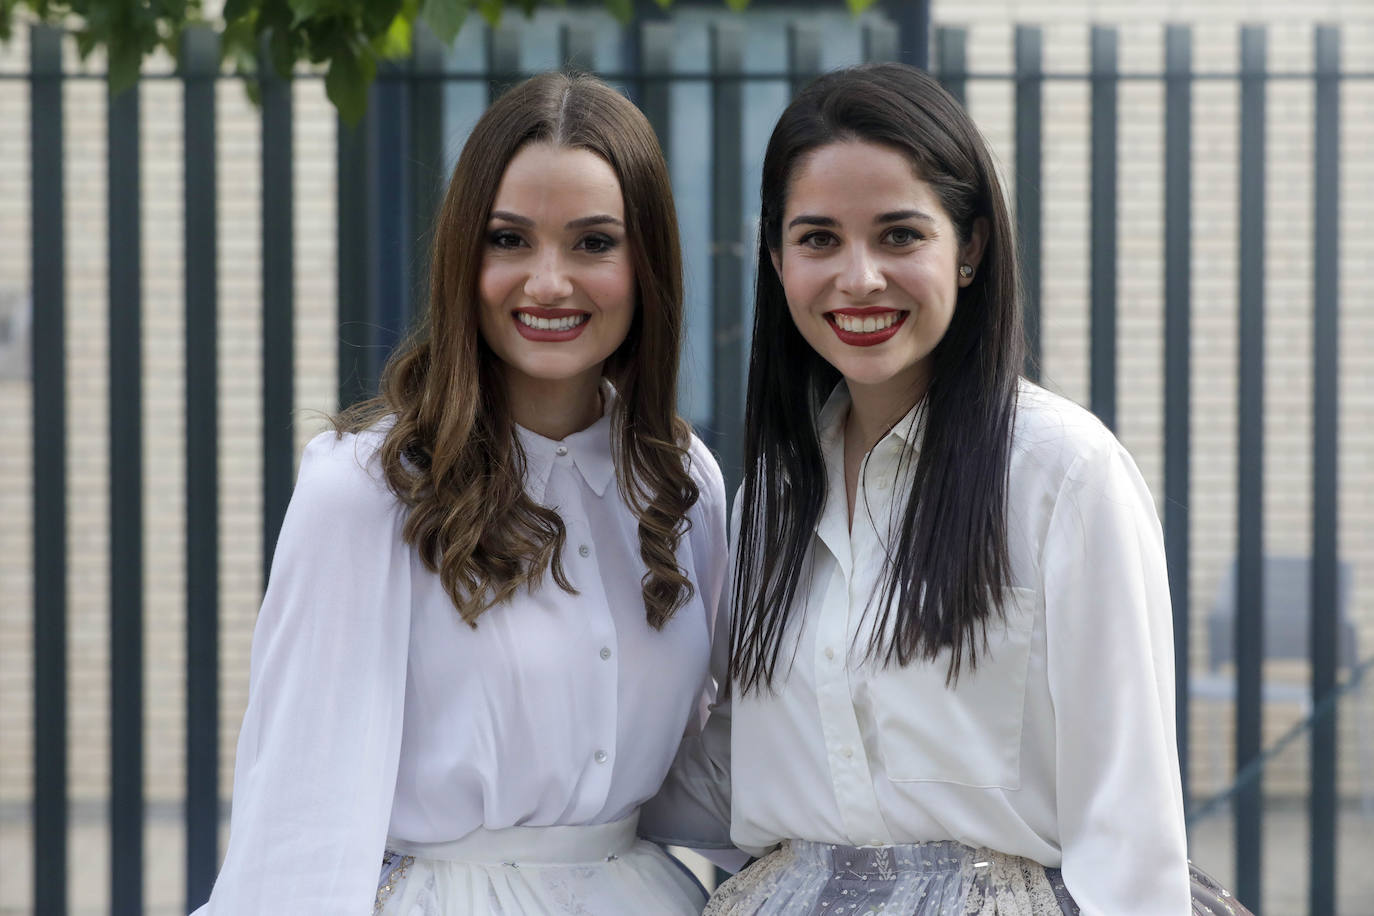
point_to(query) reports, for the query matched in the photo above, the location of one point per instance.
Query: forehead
(546, 176)
(856, 174)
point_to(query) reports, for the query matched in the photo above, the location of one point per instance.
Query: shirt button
(561, 451)
(600, 756)
(847, 751)
(584, 551)
(829, 653)
(605, 653)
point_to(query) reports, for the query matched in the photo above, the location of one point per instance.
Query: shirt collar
(830, 422)
(590, 450)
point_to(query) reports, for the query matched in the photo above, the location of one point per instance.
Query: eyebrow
(894, 216)
(582, 222)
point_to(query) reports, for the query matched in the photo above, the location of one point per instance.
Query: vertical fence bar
(389, 209)
(356, 380)
(503, 59)
(1249, 628)
(1103, 282)
(1325, 467)
(1029, 93)
(655, 49)
(577, 47)
(49, 361)
(803, 54)
(1178, 217)
(727, 244)
(880, 42)
(126, 506)
(951, 61)
(426, 160)
(200, 66)
(278, 304)
(912, 18)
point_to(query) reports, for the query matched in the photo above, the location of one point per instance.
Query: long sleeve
(693, 806)
(317, 754)
(1110, 666)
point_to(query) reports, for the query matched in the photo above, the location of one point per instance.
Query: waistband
(921, 858)
(565, 844)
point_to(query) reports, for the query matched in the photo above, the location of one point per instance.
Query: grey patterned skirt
(802, 878)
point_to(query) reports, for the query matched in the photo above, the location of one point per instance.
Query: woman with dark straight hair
(951, 659)
(492, 601)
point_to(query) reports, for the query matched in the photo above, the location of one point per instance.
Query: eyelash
(595, 243)
(808, 240)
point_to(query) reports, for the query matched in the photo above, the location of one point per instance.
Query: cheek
(612, 287)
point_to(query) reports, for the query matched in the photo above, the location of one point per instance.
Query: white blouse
(1059, 746)
(375, 711)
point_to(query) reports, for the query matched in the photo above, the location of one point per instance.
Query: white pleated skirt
(599, 869)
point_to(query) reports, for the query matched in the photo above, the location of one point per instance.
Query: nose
(548, 282)
(860, 276)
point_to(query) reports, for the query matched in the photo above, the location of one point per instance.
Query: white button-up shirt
(374, 710)
(1059, 746)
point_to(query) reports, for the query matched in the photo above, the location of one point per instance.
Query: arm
(317, 755)
(1110, 655)
(693, 806)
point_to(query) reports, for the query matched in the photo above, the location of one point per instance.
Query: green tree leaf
(346, 84)
(125, 59)
(445, 17)
(622, 10)
(491, 11)
(858, 6)
(395, 41)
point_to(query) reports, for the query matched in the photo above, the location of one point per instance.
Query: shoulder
(341, 478)
(705, 473)
(1052, 435)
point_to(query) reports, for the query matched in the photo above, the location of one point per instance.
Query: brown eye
(901, 235)
(505, 239)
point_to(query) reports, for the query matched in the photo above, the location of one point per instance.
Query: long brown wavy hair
(452, 454)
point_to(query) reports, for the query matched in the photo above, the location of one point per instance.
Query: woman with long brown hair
(492, 601)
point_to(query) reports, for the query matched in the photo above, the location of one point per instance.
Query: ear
(972, 251)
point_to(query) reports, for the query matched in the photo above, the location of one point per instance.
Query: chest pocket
(967, 733)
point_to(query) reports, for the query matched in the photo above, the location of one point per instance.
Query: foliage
(346, 37)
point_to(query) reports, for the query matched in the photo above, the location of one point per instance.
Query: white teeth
(566, 323)
(866, 324)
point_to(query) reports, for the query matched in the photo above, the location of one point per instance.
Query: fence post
(1102, 365)
(880, 42)
(803, 54)
(951, 64)
(278, 304)
(1178, 140)
(425, 161)
(126, 503)
(49, 456)
(1249, 621)
(503, 59)
(200, 66)
(655, 65)
(1325, 467)
(727, 248)
(913, 29)
(1029, 91)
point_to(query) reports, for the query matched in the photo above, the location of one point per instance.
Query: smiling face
(869, 261)
(557, 287)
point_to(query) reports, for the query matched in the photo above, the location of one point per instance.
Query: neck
(875, 409)
(555, 409)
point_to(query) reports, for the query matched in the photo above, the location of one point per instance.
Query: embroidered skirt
(601, 869)
(803, 878)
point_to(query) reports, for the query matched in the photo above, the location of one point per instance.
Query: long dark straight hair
(944, 577)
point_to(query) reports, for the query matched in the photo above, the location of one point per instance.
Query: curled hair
(944, 576)
(451, 452)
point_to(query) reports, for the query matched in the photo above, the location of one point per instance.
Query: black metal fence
(390, 171)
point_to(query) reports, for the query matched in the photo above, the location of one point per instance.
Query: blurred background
(192, 275)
